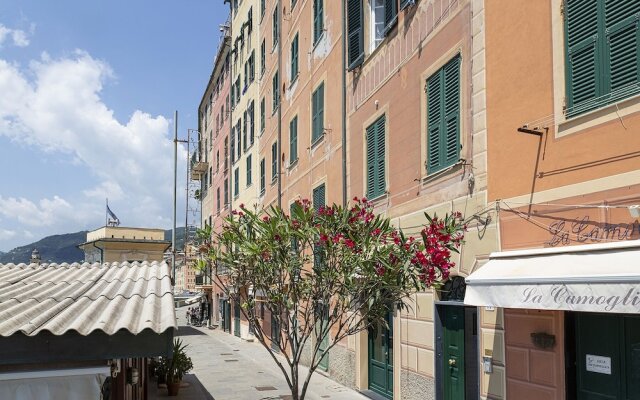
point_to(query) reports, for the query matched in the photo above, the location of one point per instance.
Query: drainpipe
(101, 252)
(231, 107)
(344, 105)
(279, 146)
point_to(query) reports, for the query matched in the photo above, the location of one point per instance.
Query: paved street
(227, 368)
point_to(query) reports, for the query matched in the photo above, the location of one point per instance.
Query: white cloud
(45, 213)
(55, 105)
(18, 37)
(7, 234)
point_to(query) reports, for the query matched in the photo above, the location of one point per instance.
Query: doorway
(380, 345)
(457, 359)
(236, 318)
(606, 360)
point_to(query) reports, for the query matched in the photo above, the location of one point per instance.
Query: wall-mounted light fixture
(543, 340)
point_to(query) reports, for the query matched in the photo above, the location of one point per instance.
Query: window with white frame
(377, 23)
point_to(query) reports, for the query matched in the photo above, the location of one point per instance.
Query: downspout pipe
(344, 104)
(231, 80)
(279, 146)
(101, 252)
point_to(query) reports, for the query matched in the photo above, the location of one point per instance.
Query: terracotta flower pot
(173, 387)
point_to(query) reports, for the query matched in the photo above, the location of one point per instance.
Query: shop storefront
(571, 300)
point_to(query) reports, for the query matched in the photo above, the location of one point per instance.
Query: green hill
(56, 248)
(62, 248)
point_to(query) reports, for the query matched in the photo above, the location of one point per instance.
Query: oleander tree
(324, 274)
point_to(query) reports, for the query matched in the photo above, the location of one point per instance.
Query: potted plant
(178, 365)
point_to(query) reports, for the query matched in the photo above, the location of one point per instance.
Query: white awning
(598, 277)
(76, 384)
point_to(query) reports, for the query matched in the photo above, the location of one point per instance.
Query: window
(263, 115)
(377, 28)
(238, 89)
(263, 8)
(318, 22)
(293, 140)
(217, 160)
(390, 14)
(246, 75)
(226, 115)
(376, 158)
(276, 91)
(252, 122)
(250, 22)
(218, 200)
(293, 3)
(294, 58)
(226, 191)
(263, 57)
(274, 161)
(236, 182)
(602, 53)
(317, 114)
(275, 27)
(443, 116)
(263, 178)
(249, 171)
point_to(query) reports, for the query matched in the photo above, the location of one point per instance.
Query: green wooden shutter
(317, 111)
(274, 161)
(236, 182)
(583, 60)
(318, 10)
(293, 140)
(622, 46)
(376, 185)
(319, 197)
(443, 117)
(434, 120)
(380, 156)
(263, 175)
(356, 33)
(452, 112)
(371, 160)
(263, 112)
(233, 145)
(294, 57)
(249, 172)
(390, 14)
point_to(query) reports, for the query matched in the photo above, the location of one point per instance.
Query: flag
(113, 220)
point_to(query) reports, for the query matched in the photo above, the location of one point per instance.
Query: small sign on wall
(599, 364)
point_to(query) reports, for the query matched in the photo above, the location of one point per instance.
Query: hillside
(56, 248)
(62, 248)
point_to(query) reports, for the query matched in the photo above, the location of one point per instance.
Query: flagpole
(106, 214)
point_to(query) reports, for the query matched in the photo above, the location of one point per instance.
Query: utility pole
(175, 196)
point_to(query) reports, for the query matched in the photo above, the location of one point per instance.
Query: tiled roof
(85, 298)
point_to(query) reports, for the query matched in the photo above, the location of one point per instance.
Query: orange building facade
(564, 172)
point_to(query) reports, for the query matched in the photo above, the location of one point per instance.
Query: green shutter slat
(356, 34)
(380, 156)
(622, 48)
(293, 139)
(371, 160)
(617, 11)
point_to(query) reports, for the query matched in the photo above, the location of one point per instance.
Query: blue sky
(88, 94)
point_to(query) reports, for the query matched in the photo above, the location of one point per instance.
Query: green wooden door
(381, 359)
(236, 319)
(453, 353)
(607, 357)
